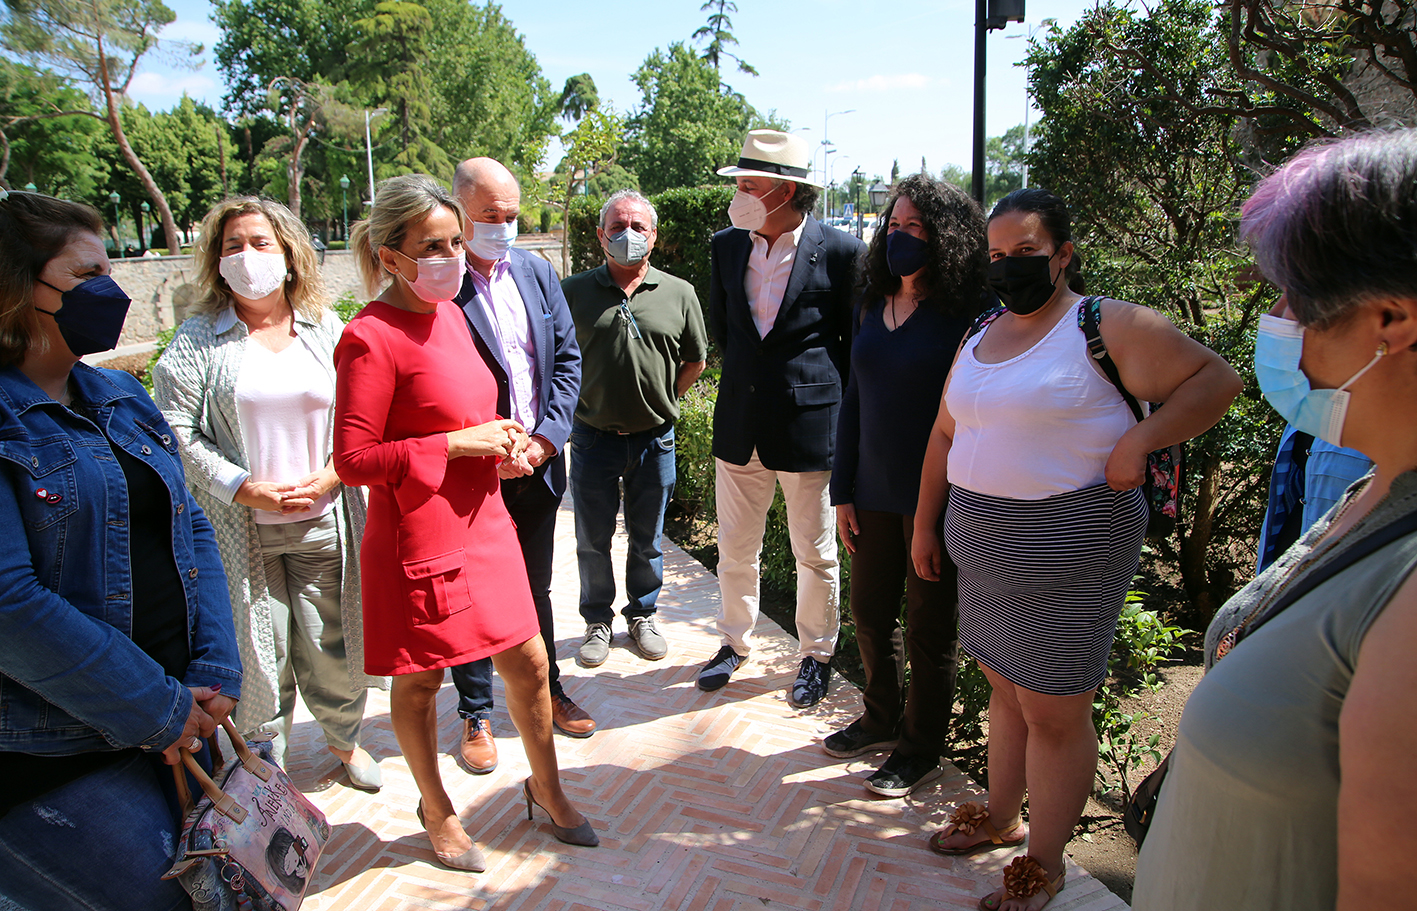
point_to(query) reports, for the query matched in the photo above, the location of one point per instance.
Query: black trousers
(532, 507)
(881, 571)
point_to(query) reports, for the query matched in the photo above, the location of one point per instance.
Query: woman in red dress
(443, 578)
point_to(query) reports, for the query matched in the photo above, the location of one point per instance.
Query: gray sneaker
(647, 638)
(596, 646)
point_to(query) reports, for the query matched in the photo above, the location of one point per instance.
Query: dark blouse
(890, 405)
(159, 628)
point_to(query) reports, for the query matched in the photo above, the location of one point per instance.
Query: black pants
(881, 570)
(533, 507)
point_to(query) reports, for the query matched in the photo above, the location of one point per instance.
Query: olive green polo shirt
(629, 360)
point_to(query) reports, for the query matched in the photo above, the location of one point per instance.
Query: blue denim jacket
(71, 678)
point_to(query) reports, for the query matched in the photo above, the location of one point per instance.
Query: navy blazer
(780, 394)
(558, 358)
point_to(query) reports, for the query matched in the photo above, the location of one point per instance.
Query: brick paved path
(720, 802)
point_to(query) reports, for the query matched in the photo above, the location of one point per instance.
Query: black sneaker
(813, 680)
(856, 740)
(902, 774)
(721, 666)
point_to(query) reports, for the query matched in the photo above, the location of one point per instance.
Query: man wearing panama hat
(780, 310)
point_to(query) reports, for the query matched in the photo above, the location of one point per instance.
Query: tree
(1153, 176)
(685, 126)
(393, 45)
(263, 40)
(100, 44)
(41, 140)
(718, 32)
(489, 94)
(579, 97)
(590, 148)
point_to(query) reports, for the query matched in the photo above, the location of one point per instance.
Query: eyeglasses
(628, 319)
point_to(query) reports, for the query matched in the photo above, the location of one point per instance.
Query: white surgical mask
(253, 274)
(490, 242)
(439, 278)
(748, 212)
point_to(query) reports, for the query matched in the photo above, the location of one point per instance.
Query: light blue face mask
(490, 242)
(1319, 412)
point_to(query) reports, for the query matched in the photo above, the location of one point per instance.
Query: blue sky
(905, 68)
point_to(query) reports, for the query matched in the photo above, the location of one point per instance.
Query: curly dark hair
(953, 276)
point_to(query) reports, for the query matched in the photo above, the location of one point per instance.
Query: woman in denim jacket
(116, 643)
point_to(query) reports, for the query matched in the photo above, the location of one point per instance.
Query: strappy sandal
(1025, 877)
(968, 818)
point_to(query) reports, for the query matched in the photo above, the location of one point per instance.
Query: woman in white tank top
(1042, 463)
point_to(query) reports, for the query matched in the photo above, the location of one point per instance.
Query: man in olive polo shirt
(643, 344)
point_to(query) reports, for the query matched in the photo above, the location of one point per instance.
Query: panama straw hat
(773, 153)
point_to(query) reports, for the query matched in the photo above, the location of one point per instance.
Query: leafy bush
(164, 338)
(347, 305)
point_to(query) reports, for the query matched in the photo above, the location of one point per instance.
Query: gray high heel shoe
(582, 834)
(470, 860)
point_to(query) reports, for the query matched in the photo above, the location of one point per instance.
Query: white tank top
(1036, 425)
(284, 401)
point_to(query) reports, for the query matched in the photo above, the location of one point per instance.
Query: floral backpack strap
(1090, 322)
(983, 322)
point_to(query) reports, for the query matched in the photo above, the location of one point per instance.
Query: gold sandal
(968, 818)
(1025, 877)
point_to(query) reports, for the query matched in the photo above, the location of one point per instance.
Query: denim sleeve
(215, 658)
(78, 663)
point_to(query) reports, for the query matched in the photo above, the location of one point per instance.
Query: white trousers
(743, 496)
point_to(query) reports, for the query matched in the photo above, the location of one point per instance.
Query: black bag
(1165, 468)
(1137, 816)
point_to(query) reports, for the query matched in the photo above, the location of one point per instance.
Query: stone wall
(163, 288)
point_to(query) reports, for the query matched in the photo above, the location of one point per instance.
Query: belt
(656, 431)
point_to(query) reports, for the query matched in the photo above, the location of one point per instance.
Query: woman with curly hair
(248, 384)
(924, 283)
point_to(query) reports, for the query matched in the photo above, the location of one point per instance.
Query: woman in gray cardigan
(248, 386)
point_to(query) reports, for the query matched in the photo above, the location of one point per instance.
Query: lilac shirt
(503, 304)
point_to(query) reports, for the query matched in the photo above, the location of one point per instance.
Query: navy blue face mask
(905, 253)
(92, 316)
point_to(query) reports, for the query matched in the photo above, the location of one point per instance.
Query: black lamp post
(988, 14)
(142, 227)
(857, 178)
(344, 197)
(117, 222)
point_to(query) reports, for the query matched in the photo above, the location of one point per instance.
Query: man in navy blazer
(780, 311)
(522, 326)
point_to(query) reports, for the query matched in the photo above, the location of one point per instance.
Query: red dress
(441, 571)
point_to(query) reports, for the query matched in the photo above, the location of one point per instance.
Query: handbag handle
(220, 801)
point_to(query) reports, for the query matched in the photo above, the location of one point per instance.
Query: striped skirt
(1042, 582)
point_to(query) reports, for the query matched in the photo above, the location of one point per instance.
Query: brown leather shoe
(569, 718)
(479, 750)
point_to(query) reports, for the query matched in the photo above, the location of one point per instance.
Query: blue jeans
(600, 462)
(98, 843)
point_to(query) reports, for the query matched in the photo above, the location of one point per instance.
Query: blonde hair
(398, 203)
(305, 291)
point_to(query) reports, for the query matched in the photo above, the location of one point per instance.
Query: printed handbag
(1165, 468)
(251, 842)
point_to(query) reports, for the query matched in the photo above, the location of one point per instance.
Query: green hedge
(688, 217)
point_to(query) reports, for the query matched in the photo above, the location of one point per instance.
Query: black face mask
(1024, 283)
(905, 253)
(92, 317)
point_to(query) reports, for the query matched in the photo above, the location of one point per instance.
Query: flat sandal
(968, 818)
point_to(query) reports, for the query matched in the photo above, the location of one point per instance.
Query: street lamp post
(369, 147)
(142, 226)
(835, 162)
(858, 178)
(825, 143)
(117, 223)
(344, 197)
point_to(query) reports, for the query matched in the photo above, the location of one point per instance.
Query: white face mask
(490, 242)
(439, 278)
(750, 213)
(252, 274)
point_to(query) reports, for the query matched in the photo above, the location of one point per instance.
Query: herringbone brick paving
(703, 802)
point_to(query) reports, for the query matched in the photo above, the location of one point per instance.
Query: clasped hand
(287, 498)
(503, 438)
(208, 710)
